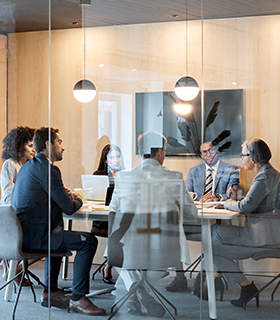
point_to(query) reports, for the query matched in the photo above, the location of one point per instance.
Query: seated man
(210, 181)
(213, 178)
(30, 200)
(135, 201)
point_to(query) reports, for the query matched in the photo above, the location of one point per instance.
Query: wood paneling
(245, 50)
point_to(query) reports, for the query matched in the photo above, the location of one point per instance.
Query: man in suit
(127, 201)
(210, 181)
(30, 200)
(224, 175)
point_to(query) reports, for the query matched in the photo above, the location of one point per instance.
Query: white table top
(90, 210)
(211, 213)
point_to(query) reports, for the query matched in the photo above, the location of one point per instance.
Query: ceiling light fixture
(84, 90)
(186, 88)
(182, 109)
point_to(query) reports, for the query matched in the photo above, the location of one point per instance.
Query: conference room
(135, 56)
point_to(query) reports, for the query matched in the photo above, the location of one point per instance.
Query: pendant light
(84, 90)
(186, 88)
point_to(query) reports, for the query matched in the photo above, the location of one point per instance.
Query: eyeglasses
(210, 150)
(242, 155)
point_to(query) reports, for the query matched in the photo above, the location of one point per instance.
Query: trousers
(85, 245)
(228, 248)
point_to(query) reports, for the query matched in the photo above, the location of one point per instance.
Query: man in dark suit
(224, 175)
(30, 200)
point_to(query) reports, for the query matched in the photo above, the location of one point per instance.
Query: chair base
(159, 297)
(99, 268)
(26, 272)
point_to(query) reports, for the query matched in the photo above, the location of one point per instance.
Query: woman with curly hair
(17, 149)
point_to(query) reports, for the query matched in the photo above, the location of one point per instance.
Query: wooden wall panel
(3, 87)
(245, 50)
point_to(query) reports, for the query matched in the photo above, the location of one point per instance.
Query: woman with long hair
(111, 161)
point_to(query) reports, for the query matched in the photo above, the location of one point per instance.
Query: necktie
(208, 182)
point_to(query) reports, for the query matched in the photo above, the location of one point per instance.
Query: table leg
(208, 258)
(12, 273)
(66, 259)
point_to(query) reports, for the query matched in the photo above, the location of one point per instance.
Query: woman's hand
(232, 194)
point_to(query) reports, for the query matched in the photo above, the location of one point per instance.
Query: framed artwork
(222, 119)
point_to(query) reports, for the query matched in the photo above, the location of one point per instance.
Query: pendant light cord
(84, 26)
(186, 37)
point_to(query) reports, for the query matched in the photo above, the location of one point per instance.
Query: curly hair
(14, 142)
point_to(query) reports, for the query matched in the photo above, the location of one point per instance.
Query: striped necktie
(208, 182)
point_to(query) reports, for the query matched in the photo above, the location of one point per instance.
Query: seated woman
(231, 243)
(17, 149)
(110, 163)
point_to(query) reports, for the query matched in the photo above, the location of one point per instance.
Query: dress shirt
(214, 172)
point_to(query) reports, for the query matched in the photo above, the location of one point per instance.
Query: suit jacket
(227, 176)
(30, 198)
(262, 222)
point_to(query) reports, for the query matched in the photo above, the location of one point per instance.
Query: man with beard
(38, 182)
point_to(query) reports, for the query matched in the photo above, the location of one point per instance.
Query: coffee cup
(193, 195)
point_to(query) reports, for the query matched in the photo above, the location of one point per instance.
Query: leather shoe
(57, 299)
(153, 308)
(133, 305)
(178, 284)
(85, 306)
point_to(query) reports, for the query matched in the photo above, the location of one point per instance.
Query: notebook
(97, 186)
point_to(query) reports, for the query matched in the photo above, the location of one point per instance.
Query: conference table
(97, 211)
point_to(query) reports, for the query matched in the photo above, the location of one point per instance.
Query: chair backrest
(11, 237)
(141, 236)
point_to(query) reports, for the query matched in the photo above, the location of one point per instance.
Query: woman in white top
(17, 149)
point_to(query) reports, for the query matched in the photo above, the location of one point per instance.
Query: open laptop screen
(97, 185)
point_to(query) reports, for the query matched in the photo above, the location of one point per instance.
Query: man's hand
(232, 193)
(73, 195)
(208, 198)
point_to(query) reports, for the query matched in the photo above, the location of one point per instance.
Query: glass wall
(134, 66)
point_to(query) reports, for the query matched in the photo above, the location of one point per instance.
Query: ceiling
(32, 15)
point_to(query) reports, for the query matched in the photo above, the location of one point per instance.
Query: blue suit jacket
(227, 176)
(30, 202)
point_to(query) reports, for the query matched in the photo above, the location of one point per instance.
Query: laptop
(97, 186)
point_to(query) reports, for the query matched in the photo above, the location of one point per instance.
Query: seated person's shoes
(85, 306)
(133, 305)
(178, 284)
(153, 308)
(57, 299)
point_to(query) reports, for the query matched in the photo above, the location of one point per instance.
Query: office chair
(140, 231)
(11, 240)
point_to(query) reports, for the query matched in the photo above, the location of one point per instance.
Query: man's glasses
(242, 155)
(210, 150)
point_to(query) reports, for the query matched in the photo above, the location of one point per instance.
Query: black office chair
(11, 240)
